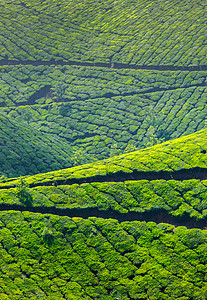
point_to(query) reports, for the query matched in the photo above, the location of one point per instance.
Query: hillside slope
(52, 257)
(185, 153)
(98, 110)
(169, 178)
(124, 31)
(71, 248)
(25, 150)
(105, 77)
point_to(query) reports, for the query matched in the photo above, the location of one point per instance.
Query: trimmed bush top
(52, 257)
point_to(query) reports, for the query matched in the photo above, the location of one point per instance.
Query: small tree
(154, 119)
(114, 150)
(22, 192)
(27, 115)
(59, 91)
(48, 235)
(151, 137)
(130, 148)
(81, 157)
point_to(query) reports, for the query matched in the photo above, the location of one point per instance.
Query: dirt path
(103, 65)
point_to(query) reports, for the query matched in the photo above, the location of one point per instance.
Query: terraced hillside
(58, 238)
(25, 150)
(52, 257)
(104, 78)
(124, 31)
(170, 178)
(102, 112)
(119, 85)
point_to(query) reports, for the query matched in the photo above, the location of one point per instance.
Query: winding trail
(183, 174)
(4, 62)
(155, 215)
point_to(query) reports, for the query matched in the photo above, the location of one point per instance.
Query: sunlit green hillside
(52, 257)
(125, 31)
(102, 112)
(170, 176)
(65, 71)
(188, 153)
(103, 150)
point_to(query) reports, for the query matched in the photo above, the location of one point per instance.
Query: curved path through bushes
(154, 215)
(158, 215)
(103, 65)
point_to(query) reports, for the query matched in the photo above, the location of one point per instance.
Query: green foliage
(114, 151)
(130, 148)
(81, 157)
(175, 197)
(97, 109)
(23, 194)
(99, 258)
(3, 178)
(58, 91)
(183, 153)
(48, 235)
(57, 116)
(25, 150)
(151, 137)
(103, 32)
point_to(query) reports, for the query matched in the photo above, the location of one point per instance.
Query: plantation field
(119, 184)
(25, 150)
(182, 154)
(103, 151)
(52, 257)
(126, 31)
(101, 112)
(178, 198)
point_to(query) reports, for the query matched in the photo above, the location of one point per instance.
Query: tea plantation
(103, 150)
(26, 150)
(104, 78)
(101, 112)
(50, 255)
(125, 31)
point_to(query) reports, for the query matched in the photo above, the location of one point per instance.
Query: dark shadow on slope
(41, 93)
(155, 215)
(184, 174)
(103, 65)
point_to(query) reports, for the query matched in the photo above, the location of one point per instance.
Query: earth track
(4, 62)
(155, 215)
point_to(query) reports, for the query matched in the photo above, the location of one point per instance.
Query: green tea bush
(152, 260)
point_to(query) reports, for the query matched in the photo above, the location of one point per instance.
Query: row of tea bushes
(150, 107)
(96, 125)
(44, 84)
(144, 33)
(185, 153)
(47, 256)
(176, 197)
(25, 150)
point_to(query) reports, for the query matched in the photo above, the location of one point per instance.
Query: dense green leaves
(99, 258)
(184, 153)
(131, 32)
(176, 197)
(103, 112)
(24, 150)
